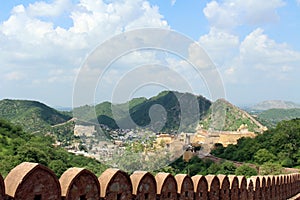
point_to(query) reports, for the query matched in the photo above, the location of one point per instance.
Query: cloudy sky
(254, 45)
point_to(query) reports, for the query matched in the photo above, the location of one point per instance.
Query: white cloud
(220, 16)
(231, 13)
(220, 45)
(256, 58)
(258, 48)
(257, 55)
(30, 39)
(54, 9)
(33, 39)
(262, 59)
(94, 21)
(96, 16)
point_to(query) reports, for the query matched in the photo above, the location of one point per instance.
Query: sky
(254, 45)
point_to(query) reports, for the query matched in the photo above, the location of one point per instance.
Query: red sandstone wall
(264, 187)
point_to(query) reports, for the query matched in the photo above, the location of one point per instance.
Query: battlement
(33, 181)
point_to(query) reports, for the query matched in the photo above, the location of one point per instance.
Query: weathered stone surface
(115, 184)
(243, 194)
(224, 187)
(144, 185)
(185, 187)
(32, 181)
(256, 187)
(166, 186)
(213, 187)
(200, 187)
(79, 183)
(250, 189)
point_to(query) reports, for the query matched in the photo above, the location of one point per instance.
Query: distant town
(97, 145)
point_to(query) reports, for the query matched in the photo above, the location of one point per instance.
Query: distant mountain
(169, 111)
(62, 108)
(272, 116)
(162, 112)
(222, 115)
(277, 104)
(180, 113)
(31, 115)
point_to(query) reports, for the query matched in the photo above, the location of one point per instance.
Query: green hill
(140, 112)
(31, 115)
(222, 115)
(175, 104)
(272, 116)
(17, 146)
(168, 111)
(211, 114)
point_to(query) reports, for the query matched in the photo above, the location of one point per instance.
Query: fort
(33, 181)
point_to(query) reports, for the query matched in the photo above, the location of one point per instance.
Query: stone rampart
(33, 181)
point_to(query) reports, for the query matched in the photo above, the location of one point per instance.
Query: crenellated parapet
(33, 181)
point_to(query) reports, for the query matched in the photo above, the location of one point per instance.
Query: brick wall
(32, 181)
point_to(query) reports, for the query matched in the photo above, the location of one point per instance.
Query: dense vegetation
(276, 147)
(140, 112)
(31, 115)
(167, 115)
(17, 146)
(226, 117)
(205, 166)
(272, 116)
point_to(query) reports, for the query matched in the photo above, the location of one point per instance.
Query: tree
(245, 170)
(218, 149)
(213, 168)
(227, 168)
(33, 154)
(270, 169)
(263, 155)
(58, 166)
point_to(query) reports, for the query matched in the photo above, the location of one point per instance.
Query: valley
(137, 144)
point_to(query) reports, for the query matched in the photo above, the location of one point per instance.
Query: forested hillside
(31, 115)
(139, 109)
(17, 146)
(272, 116)
(167, 115)
(277, 146)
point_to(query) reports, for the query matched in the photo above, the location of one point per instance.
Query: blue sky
(254, 44)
